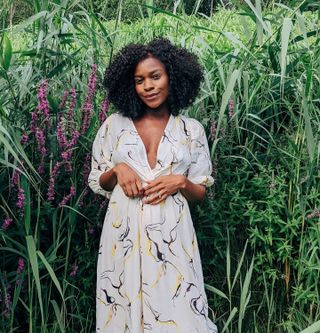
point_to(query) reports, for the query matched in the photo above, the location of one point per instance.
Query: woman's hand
(128, 180)
(159, 189)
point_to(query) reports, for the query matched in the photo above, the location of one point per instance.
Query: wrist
(114, 170)
(182, 182)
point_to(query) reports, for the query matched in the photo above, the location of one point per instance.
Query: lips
(151, 96)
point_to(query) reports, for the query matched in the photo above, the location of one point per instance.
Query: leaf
(311, 143)
(58, 315)
(6, 52)
(258, 16)
(216, 291)
(30, 20)
(225, 99)
(27, 208)
(149, 3)
(51, 272)
(314, 328)
(285, 34)
(239, 265)
(245, 295)
(231, 315)
(103, 29)
(31, 246)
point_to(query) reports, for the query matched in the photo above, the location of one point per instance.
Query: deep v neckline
(159, 143)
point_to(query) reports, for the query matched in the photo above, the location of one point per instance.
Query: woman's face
(151, 82)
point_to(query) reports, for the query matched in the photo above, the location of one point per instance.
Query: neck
(160, 112)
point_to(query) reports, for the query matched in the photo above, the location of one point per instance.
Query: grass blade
(50, 271)
(216, 291)
(35, 269)
(231, 315)
(314, 328)
(58, 315)
(285, 35)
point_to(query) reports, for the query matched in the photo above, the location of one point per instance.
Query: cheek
(165, 87)
(137, 89)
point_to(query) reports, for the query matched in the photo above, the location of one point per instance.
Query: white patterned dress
(149, 274)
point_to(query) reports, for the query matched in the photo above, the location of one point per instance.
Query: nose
(148, 85)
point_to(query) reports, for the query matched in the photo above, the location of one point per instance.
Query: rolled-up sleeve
(201, 167)
(101, 160)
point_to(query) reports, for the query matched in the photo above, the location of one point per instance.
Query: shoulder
(193, 126)
(114, 118)
(113, 122)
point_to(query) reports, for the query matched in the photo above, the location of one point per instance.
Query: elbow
(202, 193)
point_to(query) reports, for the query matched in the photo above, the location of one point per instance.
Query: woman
(150, 161)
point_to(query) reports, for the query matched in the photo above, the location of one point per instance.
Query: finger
(154, 189)
(152, 183)
(156, 197)
(124, 191)
(129, 190)
(134, 189)
(158, 200)
(140, 188)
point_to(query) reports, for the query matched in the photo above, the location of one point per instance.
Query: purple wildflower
(213, 129)
(66, 155)
(88, 104)
(64, 99)
(41, 169)
(86, 168)
(87, 110)
(6, 223)
(91, 231)
(231, 107)
(7, 301)
(41, 140)
(54, 174)
(43, 104)
(72, 105)
(74, 139)
(104, 110)
(62, 140)
(68, 197)
(20, 266)
(315, 213)
(24, 138)
(15, 178)
(74, 270)
(34, 119)
(21, 198)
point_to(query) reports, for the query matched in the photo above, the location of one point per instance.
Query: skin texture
(152, 87)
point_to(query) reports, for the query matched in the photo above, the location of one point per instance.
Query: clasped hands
(154, 192)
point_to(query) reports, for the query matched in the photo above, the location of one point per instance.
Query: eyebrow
(154, 71)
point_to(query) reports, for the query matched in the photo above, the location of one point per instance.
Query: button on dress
(149, 274)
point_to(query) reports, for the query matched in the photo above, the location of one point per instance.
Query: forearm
(191, 191)
(108, 180)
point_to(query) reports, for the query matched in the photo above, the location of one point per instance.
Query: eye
(138, 81)
(156, 76)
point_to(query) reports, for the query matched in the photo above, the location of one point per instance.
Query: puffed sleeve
(101, 160)
(201, 167)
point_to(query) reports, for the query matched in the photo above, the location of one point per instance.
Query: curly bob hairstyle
(183, 69)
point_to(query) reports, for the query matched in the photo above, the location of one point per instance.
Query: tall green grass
(258, 230)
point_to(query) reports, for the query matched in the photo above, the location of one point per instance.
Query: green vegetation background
(258, 228)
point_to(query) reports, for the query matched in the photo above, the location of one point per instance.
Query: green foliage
(258, 229)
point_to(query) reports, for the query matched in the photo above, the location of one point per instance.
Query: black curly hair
(183, 69)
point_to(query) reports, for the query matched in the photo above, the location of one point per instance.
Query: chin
(155, 106)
